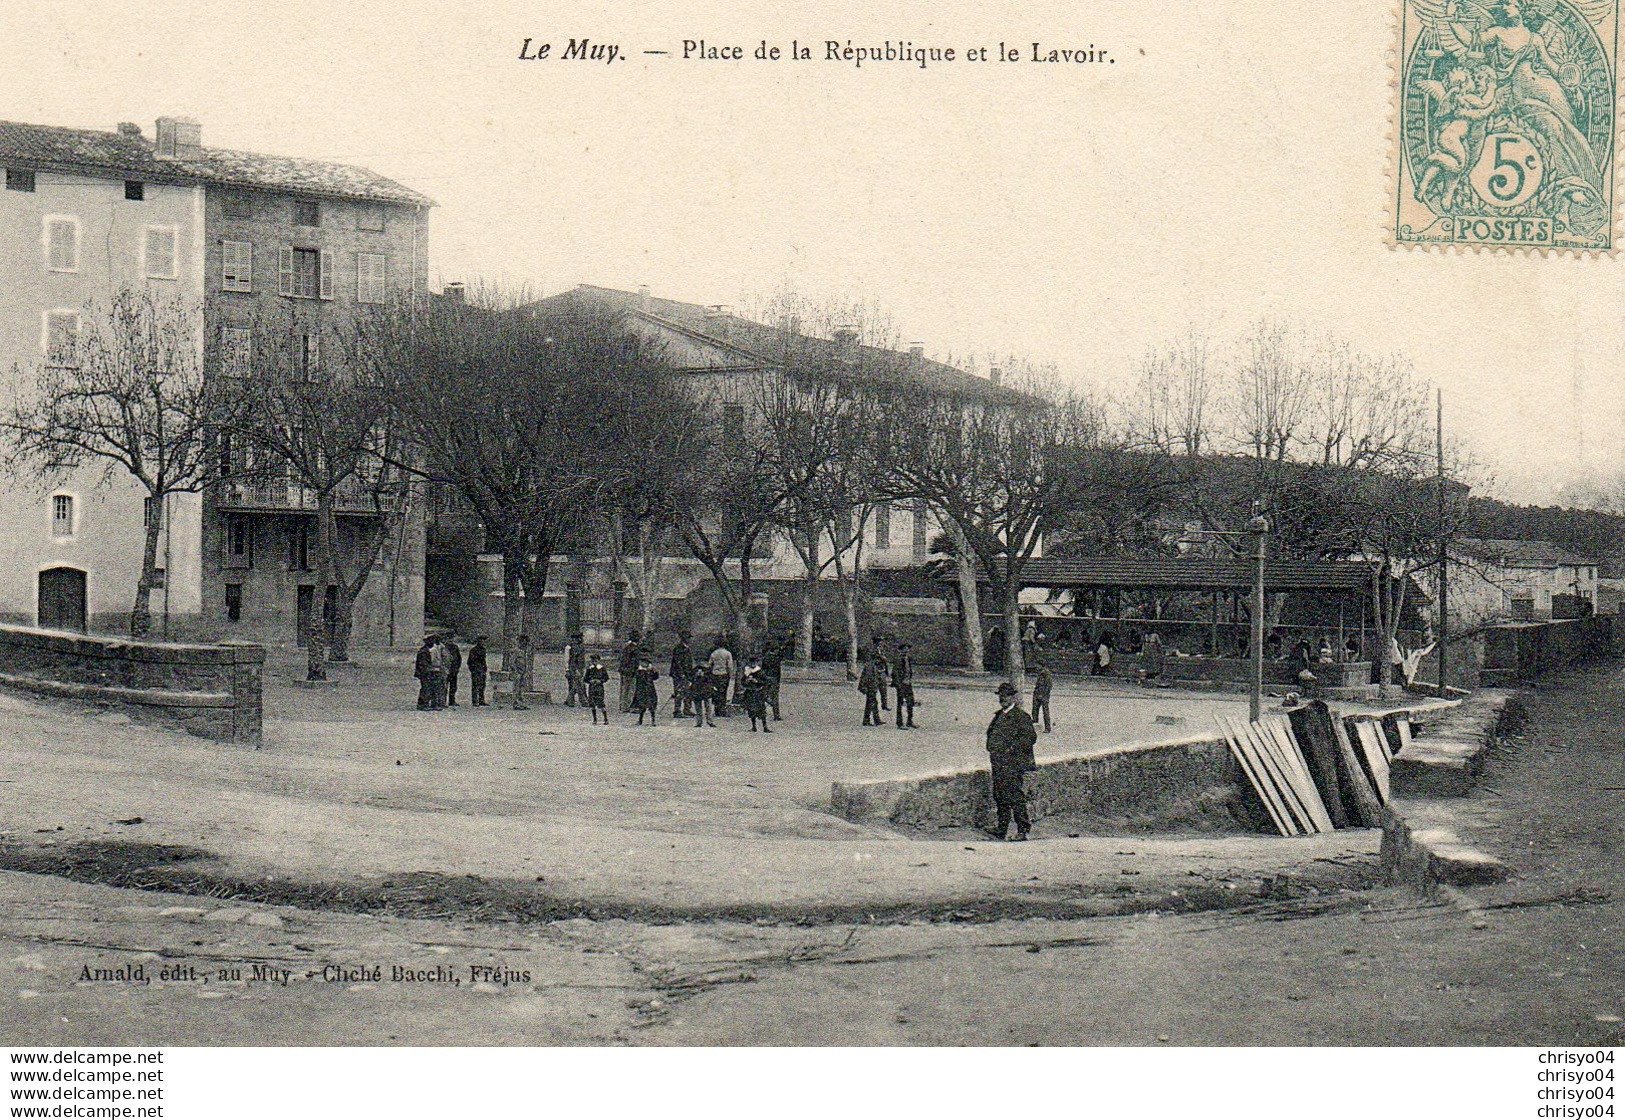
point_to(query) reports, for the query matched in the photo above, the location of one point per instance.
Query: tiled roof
(757, 340)
(1532, 554)
(85, 149)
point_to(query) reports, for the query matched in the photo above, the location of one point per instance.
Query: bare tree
(128, 394)
(305, 417)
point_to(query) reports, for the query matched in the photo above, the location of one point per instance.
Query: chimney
(455, 291)
(718, 311)
(916, 350)
(996, 375)
(179, 138)
(129, 128)
(846, 338)
(643, 297)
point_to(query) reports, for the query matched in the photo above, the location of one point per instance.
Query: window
(370, 277)
(883, 525)
(19, 180)
(162, 262)
(733, 423)
(234, 602)
(236, 266)
(62, 244)
(239, 543)
(152, 512)
(135, 190)
(370, 218)
(61, 343)
(308, 356)
(305, 273)
(306, 212)
(299, 545)
(237, 206)
(236, 351)
(62, 515)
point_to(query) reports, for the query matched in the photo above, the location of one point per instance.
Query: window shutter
(325, 280)
(284, 272)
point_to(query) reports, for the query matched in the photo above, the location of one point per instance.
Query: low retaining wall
(1155, 787)
(208, 690)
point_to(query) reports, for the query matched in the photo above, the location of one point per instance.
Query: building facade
(1507, 580)
(720, 356)
(83, 216)
(245, 239)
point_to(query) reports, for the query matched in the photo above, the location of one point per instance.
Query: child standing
(595, 678)
(753, 690)
(701, 691)
(644, 698)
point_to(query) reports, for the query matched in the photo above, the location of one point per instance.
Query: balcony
(232, 495)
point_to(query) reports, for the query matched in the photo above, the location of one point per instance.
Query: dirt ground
(1181, 940)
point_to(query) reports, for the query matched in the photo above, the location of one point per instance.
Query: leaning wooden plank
(1282, 731)
(1254, 769)
(1277, 771)
(1364, 805)
(1292, 768)
(1251, 767)
(1369, 736)
(1313, 734)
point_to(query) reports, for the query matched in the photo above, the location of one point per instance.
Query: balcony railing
(265, 496)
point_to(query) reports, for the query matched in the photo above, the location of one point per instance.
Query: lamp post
(1259, 527)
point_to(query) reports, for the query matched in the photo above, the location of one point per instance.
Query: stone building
(719, 354)
(87, 213)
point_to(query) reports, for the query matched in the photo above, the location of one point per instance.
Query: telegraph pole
(1443, 629)
(1259, 526)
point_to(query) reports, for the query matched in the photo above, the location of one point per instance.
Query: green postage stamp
(1506, 124)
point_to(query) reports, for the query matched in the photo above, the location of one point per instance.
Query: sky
(1230, 165)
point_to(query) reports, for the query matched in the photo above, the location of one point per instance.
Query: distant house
(1498, 580)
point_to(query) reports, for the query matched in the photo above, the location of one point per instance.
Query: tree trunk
(651, 547)
(513, 605)
(316, 625)
(970, 603)
(141, 612)
(1015, 663)
(743, 625)
(849, 607)
(809, 600)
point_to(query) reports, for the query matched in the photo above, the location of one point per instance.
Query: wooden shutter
(237, 266)
(284, 272)
(325, 280)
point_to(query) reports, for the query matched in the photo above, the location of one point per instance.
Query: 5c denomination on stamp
(1507, 124)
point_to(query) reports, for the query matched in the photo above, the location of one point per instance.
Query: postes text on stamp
(1506, 124)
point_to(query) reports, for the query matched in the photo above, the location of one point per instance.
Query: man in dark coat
(575, 664)
(628, 668)
(902, 679)
(1010, 739)
(869, 685)
(682, 667)
(423, 668)
(476, 672)
(454, 666)
(773, 674)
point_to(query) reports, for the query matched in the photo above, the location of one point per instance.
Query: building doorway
(62, 599)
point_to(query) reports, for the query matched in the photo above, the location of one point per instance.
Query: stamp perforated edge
(1394, 164)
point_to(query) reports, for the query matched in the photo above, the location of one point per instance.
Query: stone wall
(208, 690)
(1156, 787)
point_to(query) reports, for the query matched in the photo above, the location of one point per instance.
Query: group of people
(438, 665)
(881, 675)
(702, 682)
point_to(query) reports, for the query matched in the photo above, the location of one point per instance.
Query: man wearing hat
(1010, 739)
(902, 679)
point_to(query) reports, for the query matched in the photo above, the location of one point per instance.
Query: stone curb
(1418, 846)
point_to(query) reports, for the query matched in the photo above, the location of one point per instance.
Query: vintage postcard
(653, 526)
